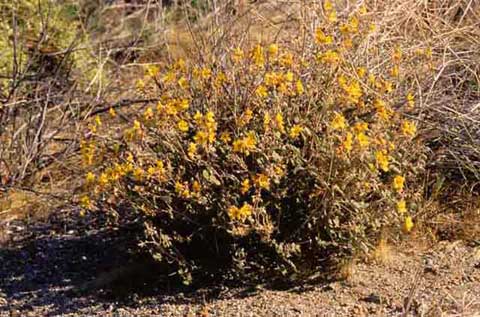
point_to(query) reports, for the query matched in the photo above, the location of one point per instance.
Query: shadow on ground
(65, 264)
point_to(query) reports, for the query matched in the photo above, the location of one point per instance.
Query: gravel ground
(65, 266)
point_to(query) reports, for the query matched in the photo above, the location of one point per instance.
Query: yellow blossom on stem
(196, 187)
(401, 206)
(225, 137)
(245, 186)
(182, 189)
(183, 83)
(295, 131)
(398, 183)
(330, 57)
(112, 112)
(192, 150)
(338, 122)
(273, 49)
(279, 122)
(299, 87)
(321, 38)
(363, 139)
(246, 117)
(266, 121)
(261, 91)
(89, 178)
(348, 142)
(408, 224)
(257, 56)
(148, 114)
(408, 128)
(246, 144)
(182, 125)
(382, 160)
(410, 100)
(242, 213)
(262, 181)
(85, 202)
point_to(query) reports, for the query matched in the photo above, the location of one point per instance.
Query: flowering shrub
(268, 161)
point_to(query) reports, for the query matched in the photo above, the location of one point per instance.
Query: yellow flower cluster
(246, 144)
(241, 213)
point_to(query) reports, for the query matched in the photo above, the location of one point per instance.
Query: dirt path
(43, 265)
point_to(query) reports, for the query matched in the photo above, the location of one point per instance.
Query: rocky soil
(71, 266)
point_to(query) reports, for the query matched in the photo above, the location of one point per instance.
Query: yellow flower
(184, 104)
(408, 224)
(321, 38)
(89, 178)
(279, 122)
(398, 183)
(183, 83)
(245, 186)
(360, 127)
(246, 144)
(242, 213)
(192, 150)
(225, 137)
(138, 174)
(201, 137)
(206, 73)
(148, 114)
(295, 131)
(395, 71)
(169, 77)
(363, 10)
(361, 71)
(273, 49)
(286, 59)
(327, 5)
(288, 76)
(382, 110)
(354, 91)
(246, 210)
(401, 206)
(408, 128)
(363, 139)
(266, 121)
(330, 57)
(410, 100)
(257, 56)
(196, 186)
(262, 181)
(98, 121)
(382, 160)
(245, 118)
(152, 70)
(338, 122)
(261, 91)
(347, 143)
(85, 202)
(332, 16)
(112, 112)
(103, 180)
(182, 189)
(234, 212)
(182, 125)
(299, 87)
